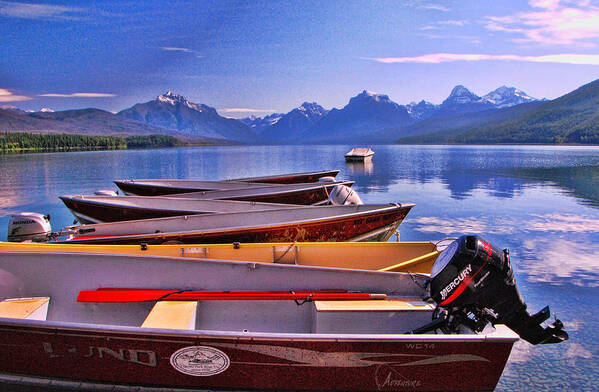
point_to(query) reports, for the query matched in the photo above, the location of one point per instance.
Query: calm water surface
(541, 202)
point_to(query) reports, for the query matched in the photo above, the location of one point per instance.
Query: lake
(541, 202)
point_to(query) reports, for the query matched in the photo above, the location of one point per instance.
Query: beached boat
(97, 209)
(415, 257)
(359, 155)
(122, 322)
(376, 222)
(158, 187)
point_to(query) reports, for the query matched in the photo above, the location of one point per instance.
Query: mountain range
(571, 118)
(368, 117)
(172, 111)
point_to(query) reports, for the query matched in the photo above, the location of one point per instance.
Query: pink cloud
(8, 96)
(552, 22)
(436, 58)
(78, 95)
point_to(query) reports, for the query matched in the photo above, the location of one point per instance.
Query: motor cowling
(344, 195)
(474, 278)
(29, 226)
(105, 192)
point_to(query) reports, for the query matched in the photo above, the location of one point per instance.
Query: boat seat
(172, 315)
(384, 305)
(25, 308)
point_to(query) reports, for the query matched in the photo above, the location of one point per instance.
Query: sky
(258, 57)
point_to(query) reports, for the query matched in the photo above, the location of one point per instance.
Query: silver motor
(344, 195)
(29, 226)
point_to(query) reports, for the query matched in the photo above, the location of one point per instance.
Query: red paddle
(141, 295)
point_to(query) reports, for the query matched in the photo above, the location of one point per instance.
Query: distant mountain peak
(504, 97)
(311, 109)
(370, 96)
(171, 98)
(460, 92)
(421, 110)
(47, 110)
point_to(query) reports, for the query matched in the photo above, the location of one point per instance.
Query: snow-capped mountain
(462, 100)
(367, 117)
(174, 111)
(504, 97)
(421, 110)
(47, 110)
(259, 124)
(293, 124)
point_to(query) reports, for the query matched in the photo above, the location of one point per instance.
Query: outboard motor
(105, 192)
(344, 195)
(29, 226)
(327, 179)
(473, 284)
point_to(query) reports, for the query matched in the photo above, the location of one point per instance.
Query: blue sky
(257, 57)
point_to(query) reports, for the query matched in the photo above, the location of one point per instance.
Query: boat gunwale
(308, 187)
(223, 261)
(500, 334)
(388, 208)
(241, 180)
(227, 245)
(82, 199)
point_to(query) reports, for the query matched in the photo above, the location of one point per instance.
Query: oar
(142, 295)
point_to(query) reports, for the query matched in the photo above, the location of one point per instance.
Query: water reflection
(360, 168)
(580, 181)
(538, 201)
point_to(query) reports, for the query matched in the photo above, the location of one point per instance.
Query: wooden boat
(226, 343)
(323, 223)
(158, 187)
(359, 155)
(97, 209)
(415, 257)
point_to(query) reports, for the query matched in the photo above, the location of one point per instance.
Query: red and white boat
(130, 323)
(158, 187)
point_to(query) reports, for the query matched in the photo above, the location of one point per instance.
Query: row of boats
(252, 284)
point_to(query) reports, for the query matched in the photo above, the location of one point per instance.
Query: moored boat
(415, 257)
(97, 209)
(359, 155)
(292, 178)
(100, 321)
(158, 187)
(376, 222)
(304, 194)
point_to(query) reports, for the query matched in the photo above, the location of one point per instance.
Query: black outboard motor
(473, 284)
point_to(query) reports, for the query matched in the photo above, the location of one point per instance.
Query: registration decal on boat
(200, 361)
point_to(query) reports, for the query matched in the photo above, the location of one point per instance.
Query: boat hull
(92, 357)
(98, 209)
(154, 188)
(371, 226)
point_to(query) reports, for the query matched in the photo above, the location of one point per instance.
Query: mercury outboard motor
(473, 284)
